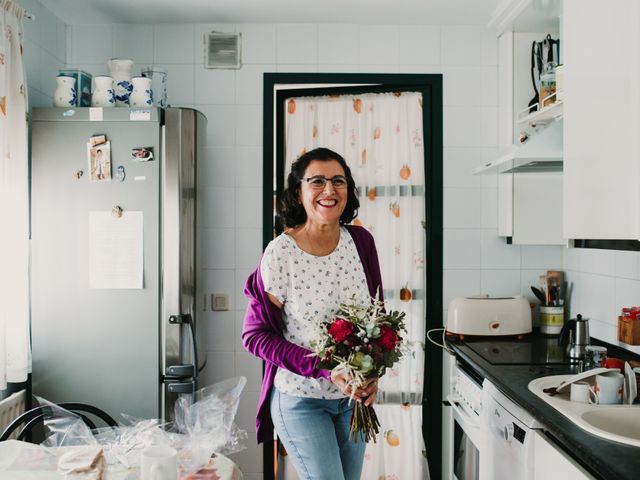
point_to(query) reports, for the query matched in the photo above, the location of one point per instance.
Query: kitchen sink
(624, 422)
(619, 423)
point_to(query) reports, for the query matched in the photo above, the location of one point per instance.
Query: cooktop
(531, 350)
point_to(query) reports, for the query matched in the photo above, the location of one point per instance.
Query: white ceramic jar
(65, 94)
(141, 95)
(103, 93)
(120, 71)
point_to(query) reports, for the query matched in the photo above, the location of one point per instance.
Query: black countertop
(603, 459)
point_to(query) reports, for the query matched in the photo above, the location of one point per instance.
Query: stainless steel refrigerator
(112, 307)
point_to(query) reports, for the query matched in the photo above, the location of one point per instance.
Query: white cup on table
(159, 462)
(609, 388)
(583, 392)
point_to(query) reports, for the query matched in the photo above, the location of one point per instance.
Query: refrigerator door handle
(181, 387)
(180, 371)
(180, 319)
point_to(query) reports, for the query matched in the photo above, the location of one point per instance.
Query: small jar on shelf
(548, 84)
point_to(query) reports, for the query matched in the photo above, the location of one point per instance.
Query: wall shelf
(545, 115)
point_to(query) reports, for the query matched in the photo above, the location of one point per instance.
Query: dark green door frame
(430, 85)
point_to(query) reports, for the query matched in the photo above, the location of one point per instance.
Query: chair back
(36, 416)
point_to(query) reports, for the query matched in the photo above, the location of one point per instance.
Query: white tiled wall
(603, 282)
(45, 40)
(230, 172)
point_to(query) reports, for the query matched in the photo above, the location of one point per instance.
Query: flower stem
(364, 423)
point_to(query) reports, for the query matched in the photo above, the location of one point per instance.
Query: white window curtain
(381, 138)
(15, 352)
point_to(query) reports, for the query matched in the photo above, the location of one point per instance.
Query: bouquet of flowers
(362, 341)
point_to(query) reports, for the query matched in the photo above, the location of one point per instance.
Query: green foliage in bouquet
(363, 342)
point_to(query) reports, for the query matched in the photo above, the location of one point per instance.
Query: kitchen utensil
(575, 335)
(582, 392)
(562, 386)
(609, 387)
(539, 295)
(536, 68)
(630, 387)
(595, 356)
(551, 319)
(159, 462)
(613, 362)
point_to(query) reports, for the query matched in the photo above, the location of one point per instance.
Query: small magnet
(116, 211)
(120, 174)
(78, 174)
(142, 154)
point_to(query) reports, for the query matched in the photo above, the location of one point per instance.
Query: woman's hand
(365, 393)
(368, 391)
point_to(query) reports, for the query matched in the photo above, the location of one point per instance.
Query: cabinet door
(601, 139)
(550, 462)
(537, 209)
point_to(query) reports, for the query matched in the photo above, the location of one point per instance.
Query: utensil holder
(629, 331)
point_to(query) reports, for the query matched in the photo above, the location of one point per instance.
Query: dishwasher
(508, 432)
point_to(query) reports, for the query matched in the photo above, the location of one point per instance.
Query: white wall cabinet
(550, 462)
(601, 113)
(529, 205)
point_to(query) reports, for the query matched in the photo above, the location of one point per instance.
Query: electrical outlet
(219, 301)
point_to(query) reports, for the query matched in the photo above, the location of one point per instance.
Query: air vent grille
(222, 50)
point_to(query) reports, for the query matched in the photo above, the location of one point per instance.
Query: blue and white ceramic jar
(103, 93)
(141, 95)
(65, 94)
(120, 71)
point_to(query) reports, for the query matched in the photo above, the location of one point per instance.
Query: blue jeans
(315, 433)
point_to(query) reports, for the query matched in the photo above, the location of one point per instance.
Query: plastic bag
(208, 422)
(203, 426)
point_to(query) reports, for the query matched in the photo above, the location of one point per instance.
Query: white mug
(159, 463)
(583, 393)
(609, 387)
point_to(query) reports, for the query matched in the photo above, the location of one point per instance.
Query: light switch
(219, 301)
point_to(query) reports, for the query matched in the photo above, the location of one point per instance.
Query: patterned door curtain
(15, 353)
(380, 135)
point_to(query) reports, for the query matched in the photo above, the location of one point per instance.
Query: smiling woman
(303, 277)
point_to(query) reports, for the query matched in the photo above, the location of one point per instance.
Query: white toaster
(489, 316)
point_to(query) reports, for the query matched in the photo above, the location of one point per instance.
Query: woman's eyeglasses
(319, 182)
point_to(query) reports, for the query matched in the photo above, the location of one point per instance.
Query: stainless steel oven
(464, 449)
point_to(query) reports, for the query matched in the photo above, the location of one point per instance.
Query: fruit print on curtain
(381, 137)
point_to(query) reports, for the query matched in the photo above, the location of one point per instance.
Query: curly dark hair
(291, 213)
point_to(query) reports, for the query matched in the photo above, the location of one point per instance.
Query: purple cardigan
(262, 330)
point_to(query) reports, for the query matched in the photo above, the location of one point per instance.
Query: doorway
(280, 86)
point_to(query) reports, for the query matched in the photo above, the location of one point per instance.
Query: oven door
(465, 443)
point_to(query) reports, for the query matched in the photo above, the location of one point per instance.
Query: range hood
(542, 152)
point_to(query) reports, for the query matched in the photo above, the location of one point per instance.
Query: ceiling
(427, 12)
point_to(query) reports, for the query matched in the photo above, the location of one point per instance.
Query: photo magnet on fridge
(99, 157)
(142, 154)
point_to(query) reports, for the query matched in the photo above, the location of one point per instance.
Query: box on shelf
(83, 84)
(629, 330)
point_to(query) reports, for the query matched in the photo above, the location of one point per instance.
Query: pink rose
(340, 329)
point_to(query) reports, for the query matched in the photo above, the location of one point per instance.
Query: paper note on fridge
(116, 250)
